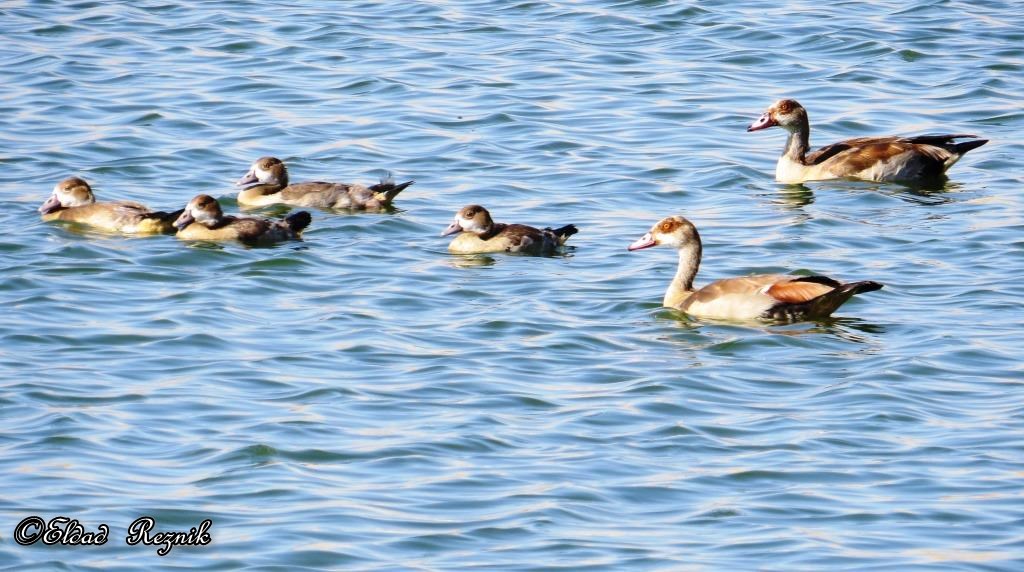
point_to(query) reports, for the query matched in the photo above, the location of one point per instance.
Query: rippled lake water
(364, 400)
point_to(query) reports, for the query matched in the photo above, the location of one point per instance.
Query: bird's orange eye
(666, 226)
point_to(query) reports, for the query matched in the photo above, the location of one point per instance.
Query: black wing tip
(865, 286)
(164, 215)
(968, 145)
(817, 279)
(945, 138)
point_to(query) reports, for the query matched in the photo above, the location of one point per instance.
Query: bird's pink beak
(764, 122)
(645, 241)
(184, 220)
(452, 228)
(51, 204)
(248, 179)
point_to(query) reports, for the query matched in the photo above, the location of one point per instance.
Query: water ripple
(364, 400)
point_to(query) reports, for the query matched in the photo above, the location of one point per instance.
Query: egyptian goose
(73, 201)
(203, 219)
(913, 160)
(765, 296)
(266, 183)
(480, 234)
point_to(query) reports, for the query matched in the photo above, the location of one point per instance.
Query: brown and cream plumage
(72, 200)
(914, 160)
(266, 183)
(203, 219)
(480, 234)
(765, 296)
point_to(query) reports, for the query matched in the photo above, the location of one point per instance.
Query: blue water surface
(364, 400)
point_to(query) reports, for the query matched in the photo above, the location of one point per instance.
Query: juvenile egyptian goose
(764, 296)
(203, 219)
(914, 160)
(480, 234)
(72, 201)
(266, 183)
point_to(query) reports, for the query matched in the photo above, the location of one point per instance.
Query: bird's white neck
(798, 143)
(681, 286)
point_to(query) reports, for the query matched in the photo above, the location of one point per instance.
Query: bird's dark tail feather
(946, 140)
(564, 232)
(966, 146)
(164, 216)
(298, 221)
(824, 305)
(165, 220)
(389, 188)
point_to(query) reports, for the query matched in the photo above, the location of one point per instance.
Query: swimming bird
(481, 234)
(914, 160)
(765, 296)
(266, 183)
(203, 219)
(72, 200)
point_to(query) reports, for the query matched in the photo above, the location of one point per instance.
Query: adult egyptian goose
(72, 200)
(480, 234)
(764, 296)
(913, 160)
(203, 219)
(266, 183)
